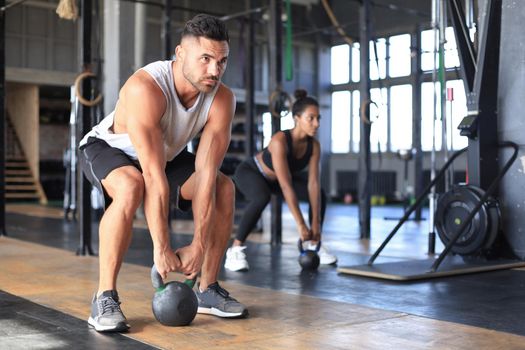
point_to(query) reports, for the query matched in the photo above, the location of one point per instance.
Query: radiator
(383, 182)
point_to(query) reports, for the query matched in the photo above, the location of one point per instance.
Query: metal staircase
(20, 182)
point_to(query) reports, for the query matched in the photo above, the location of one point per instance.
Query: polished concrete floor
(491, 300)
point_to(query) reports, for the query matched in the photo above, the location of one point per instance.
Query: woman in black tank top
(278, 169)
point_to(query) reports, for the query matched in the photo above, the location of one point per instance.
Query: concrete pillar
(511, 123)
(140, 35)
(119, 50)
(325, 101)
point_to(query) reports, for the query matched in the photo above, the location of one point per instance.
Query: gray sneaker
(106, 315)
(215, 300)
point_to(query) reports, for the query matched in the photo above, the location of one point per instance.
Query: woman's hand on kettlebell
(191, 258)
(166, 261)
(305, 233)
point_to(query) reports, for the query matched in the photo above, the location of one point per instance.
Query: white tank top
(179, 125)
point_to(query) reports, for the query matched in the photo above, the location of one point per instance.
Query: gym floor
(45, 292)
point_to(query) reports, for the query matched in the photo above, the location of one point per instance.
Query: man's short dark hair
(207, 26)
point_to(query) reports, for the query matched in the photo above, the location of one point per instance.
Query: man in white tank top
(136, 154)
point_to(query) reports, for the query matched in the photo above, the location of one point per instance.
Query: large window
(340, 64)
(427, 117)
(356, 119)
(287, 122)
(341, 122)
(458, 109)
(379, 119)
(391, 110)
(356, 58)
(399, 60)
(267, 128)
(427, 48)
(378, 59)
(451, 49)
(401, 117)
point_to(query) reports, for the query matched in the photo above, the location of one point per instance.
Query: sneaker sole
(219, 313)
(236, 269)
(120, 327)
(328, 263)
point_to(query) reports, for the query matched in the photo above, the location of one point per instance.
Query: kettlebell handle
(158, 283)
(156, 279)
(301, 249)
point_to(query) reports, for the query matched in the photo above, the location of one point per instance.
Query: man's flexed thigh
(125, 185)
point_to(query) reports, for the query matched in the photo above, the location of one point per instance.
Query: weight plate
(453, 208)
(494, 216)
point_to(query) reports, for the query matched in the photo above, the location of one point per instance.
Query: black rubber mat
(411, 270)
(26, 325)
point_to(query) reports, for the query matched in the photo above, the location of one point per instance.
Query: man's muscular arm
(212, 148)
(142, 104)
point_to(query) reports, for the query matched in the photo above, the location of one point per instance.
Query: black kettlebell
(309, 259)
(174, 303)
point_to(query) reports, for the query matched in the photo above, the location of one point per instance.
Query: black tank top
(295, 164)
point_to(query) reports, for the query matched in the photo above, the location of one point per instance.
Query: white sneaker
(236, 259)
(324, 255)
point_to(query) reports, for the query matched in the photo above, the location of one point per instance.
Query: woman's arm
(278, 149)
(314, 190)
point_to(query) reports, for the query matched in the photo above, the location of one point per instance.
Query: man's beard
(201, 86)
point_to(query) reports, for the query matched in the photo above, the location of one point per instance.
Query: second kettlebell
(174, 303)
(309, 258)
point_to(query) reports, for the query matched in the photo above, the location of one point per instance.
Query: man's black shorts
(97, 159)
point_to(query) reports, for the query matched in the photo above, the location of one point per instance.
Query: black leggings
(257, 190)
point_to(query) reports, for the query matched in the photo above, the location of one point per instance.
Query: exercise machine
(467, 217)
